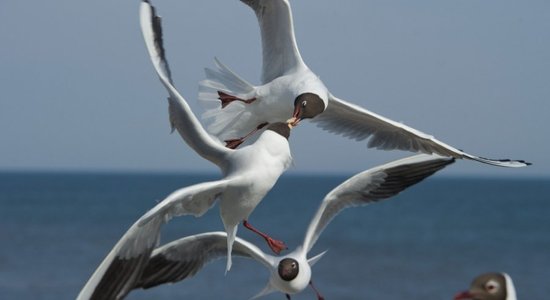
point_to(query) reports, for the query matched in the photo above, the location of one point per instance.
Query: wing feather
(357, 123)
(181, 116)
(183, 258)
(371, 186)
(121, 269)
(279, 49)
(192, 200)
(115, 276)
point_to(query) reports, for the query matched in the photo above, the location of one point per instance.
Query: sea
(428, 242)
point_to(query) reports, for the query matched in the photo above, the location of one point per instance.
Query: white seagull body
(249, 173)
(290, 273)
(285, 79)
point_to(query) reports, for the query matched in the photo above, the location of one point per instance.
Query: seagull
(290, 88)
(290, 273)
(249, 173)
(490, 286)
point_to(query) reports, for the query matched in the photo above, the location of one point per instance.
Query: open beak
(293, 122)
(296, 116)
(464, 295)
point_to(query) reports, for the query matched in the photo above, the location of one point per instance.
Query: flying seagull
(290, 273)
(249, 173)
(290, 88)
(490, 286)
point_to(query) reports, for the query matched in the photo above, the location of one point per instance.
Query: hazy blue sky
(77, 90)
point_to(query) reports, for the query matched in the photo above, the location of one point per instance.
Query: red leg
(226, 99)
(275, 245)
(319, 297)
(234, 143)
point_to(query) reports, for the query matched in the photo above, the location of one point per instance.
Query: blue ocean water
(426, 243)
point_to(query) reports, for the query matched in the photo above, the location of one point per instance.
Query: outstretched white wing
(121, 269)
(192, 200)
(181, 116)
(183, 258)
(371, 186)
(279, 49)
(357, 123)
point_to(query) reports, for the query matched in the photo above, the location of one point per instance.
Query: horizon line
(93, 171)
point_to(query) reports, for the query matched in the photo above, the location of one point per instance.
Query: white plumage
(285, 76)
(248, 174)
(183, 258)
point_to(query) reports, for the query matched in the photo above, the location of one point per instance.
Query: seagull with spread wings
(290, 88)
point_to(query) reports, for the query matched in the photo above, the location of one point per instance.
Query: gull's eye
(492, 286)
(304, 103)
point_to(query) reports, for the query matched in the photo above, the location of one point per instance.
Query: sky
(78, 92)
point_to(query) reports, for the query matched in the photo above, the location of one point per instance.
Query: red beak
(295, 117)
(464, 295)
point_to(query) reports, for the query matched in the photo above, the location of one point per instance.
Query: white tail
(222, 79)
(231, 234)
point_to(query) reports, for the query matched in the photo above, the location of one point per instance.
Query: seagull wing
(279, 49)
(121, 269)
(183, 258)
(373, 185)
(115, 276)
(181, 117)
(360, 124)
(192, 200)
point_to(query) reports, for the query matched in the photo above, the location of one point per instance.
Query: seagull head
(291, 275)
(288, 269)
(306, 106)
(489, 286)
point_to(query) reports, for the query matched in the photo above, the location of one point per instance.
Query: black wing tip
(156, 22)
(156, 26)
(114, 283)
(516, 160)
(507, 160)
(504, 160)
(153, 10)
(521, 161)
(412, 173)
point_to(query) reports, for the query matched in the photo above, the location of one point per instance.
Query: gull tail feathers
(225, 80)
(231, 234)
(312, 261)
(222, 81)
